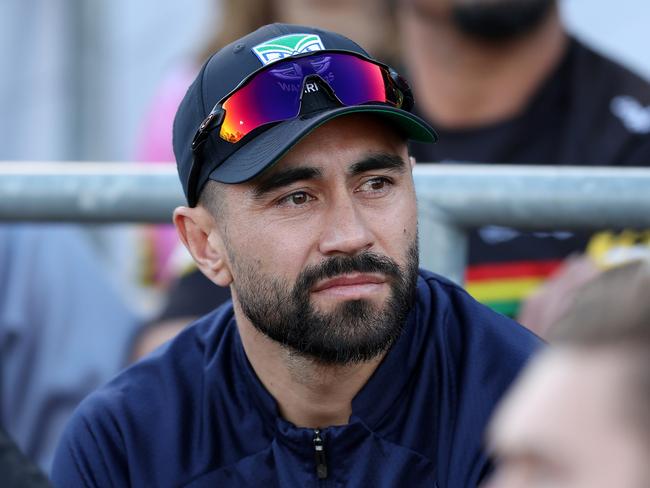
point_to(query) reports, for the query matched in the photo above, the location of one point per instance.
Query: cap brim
(267, 148)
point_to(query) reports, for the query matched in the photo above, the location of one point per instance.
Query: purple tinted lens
(273, 94)
(263, 100)
(354, 80)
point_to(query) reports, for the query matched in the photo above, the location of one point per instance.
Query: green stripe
(509, 308)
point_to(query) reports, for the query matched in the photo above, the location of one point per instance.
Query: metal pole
(88, 192)
(467, 195)
(443, 245)
(451, 199)
(538, 197)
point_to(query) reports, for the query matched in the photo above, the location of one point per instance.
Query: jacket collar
(383, 389)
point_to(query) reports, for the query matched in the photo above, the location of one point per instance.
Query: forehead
(347, 138)
(331, 151)
(566, 400)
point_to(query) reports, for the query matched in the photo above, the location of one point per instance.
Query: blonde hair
(613, 311)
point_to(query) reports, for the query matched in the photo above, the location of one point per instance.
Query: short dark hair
(613, 311)
(213, 198)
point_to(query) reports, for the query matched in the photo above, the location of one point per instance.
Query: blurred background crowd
(100, 81)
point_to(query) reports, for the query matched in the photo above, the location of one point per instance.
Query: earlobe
(198, 231)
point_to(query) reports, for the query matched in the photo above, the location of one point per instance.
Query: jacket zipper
(321, 462)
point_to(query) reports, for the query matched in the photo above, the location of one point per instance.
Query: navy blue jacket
(194, 414)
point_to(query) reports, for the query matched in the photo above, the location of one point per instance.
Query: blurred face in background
(573, 421)
(485, 19)
(364, 21)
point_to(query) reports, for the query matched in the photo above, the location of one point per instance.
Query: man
(580, 416)
(338, 363)
(503, 82)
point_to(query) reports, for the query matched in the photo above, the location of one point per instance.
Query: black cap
(223, 161)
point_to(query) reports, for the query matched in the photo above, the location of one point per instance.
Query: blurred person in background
(64, 329)
(188, 294)
(64, 323)
(16, 470)
(579, 416)
(505, 83)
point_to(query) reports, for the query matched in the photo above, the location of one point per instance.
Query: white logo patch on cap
(634, 115)
(285, 46)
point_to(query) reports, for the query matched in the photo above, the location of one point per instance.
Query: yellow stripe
(501, 290)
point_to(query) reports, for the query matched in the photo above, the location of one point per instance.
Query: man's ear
(200, 234)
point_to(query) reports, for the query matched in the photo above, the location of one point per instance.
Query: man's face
(490, 20)
(322, 247)
(566, 424)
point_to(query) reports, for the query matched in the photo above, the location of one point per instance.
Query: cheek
(272, 248)
(400, 219)
(395, 230)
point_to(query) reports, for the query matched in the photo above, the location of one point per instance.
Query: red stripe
(515, 269)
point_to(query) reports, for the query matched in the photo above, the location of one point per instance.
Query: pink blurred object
(154, 145)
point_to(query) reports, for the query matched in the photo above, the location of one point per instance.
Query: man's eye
(298, 198)
(378, 184)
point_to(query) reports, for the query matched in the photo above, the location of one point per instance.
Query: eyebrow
(378, 161)
(532, 454)
(284, 178)
(524, 449)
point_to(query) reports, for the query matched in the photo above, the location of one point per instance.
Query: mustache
(366, 262)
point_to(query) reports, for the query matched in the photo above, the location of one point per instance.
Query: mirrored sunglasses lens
(273, 95)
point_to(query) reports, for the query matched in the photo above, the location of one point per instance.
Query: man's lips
(350, 281)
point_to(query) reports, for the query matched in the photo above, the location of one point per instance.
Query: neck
(462, 82)
(308, 394)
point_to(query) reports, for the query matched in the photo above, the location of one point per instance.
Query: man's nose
(345, 229)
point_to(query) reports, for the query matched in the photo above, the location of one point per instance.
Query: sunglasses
(275, 92)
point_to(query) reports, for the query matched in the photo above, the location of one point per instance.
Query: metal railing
(451, 199)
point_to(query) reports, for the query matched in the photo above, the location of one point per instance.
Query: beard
(500, 20)
(353, 332)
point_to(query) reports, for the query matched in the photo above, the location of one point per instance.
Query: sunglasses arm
(212, 121)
